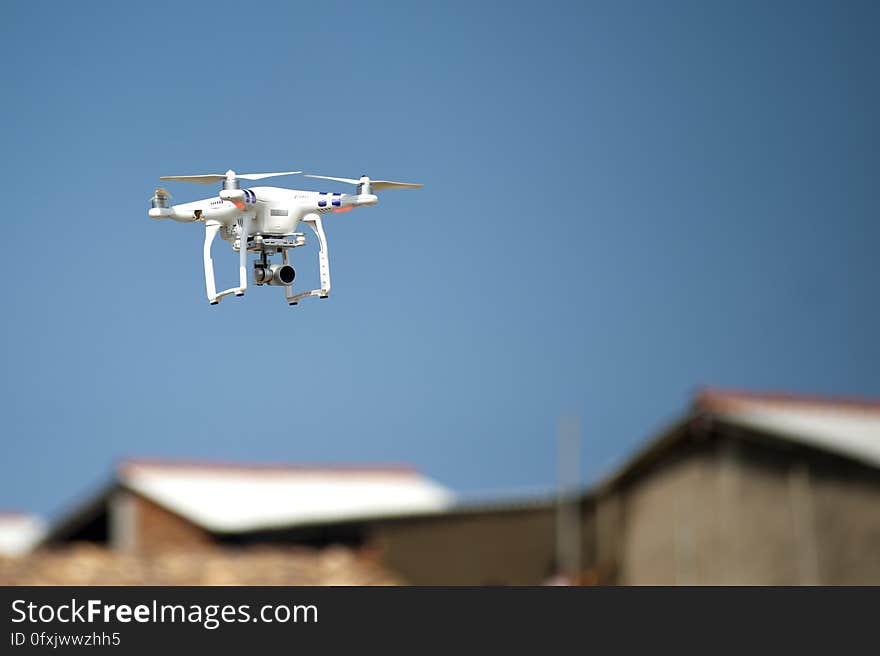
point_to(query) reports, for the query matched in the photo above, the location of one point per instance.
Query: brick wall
(140, 524)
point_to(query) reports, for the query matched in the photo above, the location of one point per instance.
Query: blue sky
(622, 201)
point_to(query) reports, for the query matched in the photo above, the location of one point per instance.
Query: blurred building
(742, 489)
(153, 508)
(155, 505)
(19, 533)
(746, 489)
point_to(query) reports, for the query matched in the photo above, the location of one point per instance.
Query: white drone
(265, 220)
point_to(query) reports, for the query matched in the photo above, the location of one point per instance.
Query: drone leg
(288, 289)
(242, 255)
(323, 263)
(323, 257)
(211, 230)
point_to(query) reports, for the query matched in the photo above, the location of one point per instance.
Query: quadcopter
(264, 220)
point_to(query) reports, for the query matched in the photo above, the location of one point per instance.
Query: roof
(847, 427)
(842, 426)
(19, 532)
(228, 498)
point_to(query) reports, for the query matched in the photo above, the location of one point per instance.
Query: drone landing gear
(314, 222)
(211, 230)
(265, 246)
(288, 290)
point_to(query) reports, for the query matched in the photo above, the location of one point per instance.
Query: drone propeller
(229, 175)
(365, 185)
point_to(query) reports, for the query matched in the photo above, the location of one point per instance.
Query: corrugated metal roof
(843, 426)
(19, 533)
(231, 498)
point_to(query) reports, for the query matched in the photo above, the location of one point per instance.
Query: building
(155, 505)
(747, 489)
(19, 532)
(410, 522)
(742, 489)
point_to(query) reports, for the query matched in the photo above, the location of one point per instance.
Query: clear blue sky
(622, 201)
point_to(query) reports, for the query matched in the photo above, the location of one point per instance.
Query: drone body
(265, 220)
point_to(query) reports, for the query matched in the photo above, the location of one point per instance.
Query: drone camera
(274, 274)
